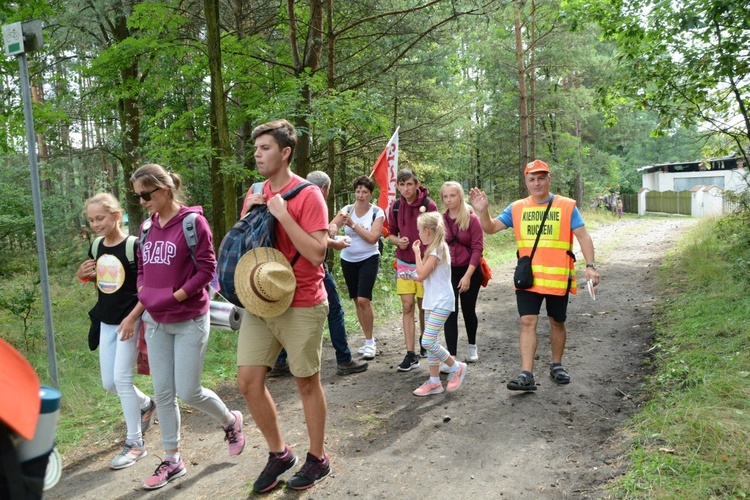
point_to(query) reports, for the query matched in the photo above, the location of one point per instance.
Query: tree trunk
(523, 134)
(224, 215)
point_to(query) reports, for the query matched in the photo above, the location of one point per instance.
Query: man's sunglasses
(145, 196)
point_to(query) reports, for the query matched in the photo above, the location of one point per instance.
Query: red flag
(384, 172)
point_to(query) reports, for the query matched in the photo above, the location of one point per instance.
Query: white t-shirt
(438, 291)
(360, 249)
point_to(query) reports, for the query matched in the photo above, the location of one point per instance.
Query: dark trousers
(336, 326)
(468, 302)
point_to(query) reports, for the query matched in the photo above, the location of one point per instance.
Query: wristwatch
(592, 266)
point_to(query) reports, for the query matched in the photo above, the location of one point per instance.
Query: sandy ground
(482, 441)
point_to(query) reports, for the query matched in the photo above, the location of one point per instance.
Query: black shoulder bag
(523, 278)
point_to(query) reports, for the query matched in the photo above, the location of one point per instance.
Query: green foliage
(691, 440)
(21, 299)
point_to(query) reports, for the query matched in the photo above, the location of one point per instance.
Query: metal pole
(38, 222)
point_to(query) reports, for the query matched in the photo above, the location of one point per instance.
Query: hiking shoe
(369, 351)
(410, 362)
(522, 383)
(147, 416)
(456, 378)
(313, 471)
(428, 389)
(353, 366)
(559, 374)
(278, 464)
(422, 351)
(235, 437)
(472, 356)
(444, 368)
(164, 473)
(280, 371)
(129, 455)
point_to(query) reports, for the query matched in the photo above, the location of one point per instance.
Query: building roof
(725, 163)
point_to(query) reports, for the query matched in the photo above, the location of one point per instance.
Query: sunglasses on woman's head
(146, 196)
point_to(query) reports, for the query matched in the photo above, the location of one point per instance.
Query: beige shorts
(299, 330)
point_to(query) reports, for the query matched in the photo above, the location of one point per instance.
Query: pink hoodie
(165, 266)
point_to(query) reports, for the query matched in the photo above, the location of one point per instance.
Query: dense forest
(596, 88)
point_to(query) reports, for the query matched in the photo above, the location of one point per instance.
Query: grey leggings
(175, 353)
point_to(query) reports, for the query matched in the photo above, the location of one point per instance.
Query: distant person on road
(172, 284)
(464, 236)
(552, 265)
(402, 224)
(301, 231)
(360, 260)
(345, 364)
(439, 300)
(113, 268)
(619, 208)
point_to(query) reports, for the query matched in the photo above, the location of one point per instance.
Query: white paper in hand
(590, 286)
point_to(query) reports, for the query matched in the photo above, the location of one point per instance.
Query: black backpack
(255, 230)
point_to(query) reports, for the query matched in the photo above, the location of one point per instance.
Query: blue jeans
(336, 326)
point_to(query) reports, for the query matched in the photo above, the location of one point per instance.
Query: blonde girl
(438, 303)
(465, 238)
(118, 311)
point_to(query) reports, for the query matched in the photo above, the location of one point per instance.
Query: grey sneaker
(129, 455)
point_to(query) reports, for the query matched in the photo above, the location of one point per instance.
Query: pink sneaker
(428, 389)
(235, 437)
(164, 473)
(455, 378)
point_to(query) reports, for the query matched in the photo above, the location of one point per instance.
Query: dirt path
(480, 442)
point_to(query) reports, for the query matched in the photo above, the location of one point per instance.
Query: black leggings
(468, 301)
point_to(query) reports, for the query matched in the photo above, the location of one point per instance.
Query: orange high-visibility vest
(554, 262)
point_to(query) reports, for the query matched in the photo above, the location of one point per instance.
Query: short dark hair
(405, 174)
(282, 131)
(364, 181)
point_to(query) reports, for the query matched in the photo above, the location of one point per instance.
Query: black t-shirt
(116, 281)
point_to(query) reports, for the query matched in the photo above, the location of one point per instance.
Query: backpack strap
(130, 248)
(95, 246)
(293, 192)
(257, 188)
(191, 235)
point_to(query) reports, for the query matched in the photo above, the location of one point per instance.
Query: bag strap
(541, 227)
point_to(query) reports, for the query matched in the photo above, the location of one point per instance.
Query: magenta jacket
(165, 266)
(405, 223)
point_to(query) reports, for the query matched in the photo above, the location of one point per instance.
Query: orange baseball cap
(19, 392)
(536, 166)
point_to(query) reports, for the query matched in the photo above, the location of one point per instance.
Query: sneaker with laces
(278, 464)
(313, 471)
(164, 473)
(523, 382)
(147, 416)
(410, 362)
(472, 355)
(444, 368)
(428, 389)
(235, 437)
(129, 455)
(369, 351)
(456, 378)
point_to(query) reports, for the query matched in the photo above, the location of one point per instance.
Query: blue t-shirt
(576, 220)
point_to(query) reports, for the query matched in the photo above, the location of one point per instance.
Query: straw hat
(265, 282)
(19, 392)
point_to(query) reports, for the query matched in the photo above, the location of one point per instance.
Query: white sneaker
(368, 351)
(361, 350)
(129, 455)
(472, 354)
(444, 368)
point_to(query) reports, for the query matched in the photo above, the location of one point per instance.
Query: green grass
(692, 440)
